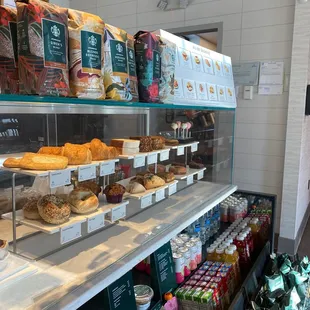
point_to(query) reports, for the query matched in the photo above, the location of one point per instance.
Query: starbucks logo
(92, 41)
(55, 31)
(119, 48)
(131, 54)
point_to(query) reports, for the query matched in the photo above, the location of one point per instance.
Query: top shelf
(59, 105)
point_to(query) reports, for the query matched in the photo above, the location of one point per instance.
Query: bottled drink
(255, 228)
(179, 267)
(219, 257)
(246, 239)
(236, 256)
(185, 252)
(229, 258)
(250, 236)
(211, 254)
(241, 245)
(192, 248)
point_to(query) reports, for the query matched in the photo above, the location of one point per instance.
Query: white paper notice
(118, 213)
(139, 161)
(270, 90)
(200, 175)
(271, 73)
(86, 173)
(160, 195)
(70, 233)
(152, 159)
(246, 73)
(189, 89)
(194, 147)
(212, 92)
(218, 68)
(60, 178)
(178, 88)
(146, 201)
(107, 168)
(201, 90)
(190, 179)
(221, 93)
(180, 150)
(164, 155)
(185, 58)
(208, 65)
(94, 223)
(172, 189)
(197, 62)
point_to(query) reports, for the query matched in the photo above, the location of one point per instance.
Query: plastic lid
(219, 251)
(233, 247)
(233, 235)
(229, 251)
(210, 249)
(240, 238)
(220, 239)
(143, 294)
(243, 235)
(254, 221)
(229, 240)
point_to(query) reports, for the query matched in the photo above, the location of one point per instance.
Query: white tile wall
(253, 31)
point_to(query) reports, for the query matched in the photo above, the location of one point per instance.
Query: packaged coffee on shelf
(166, 85)
(116, 77)
(86, 33)
(42, 34)
(148, 66)
(8, 51)
(132, 68)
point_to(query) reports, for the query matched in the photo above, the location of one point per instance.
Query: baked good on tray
(91, 185)
(53, 209)
(160, 168)
(195, 165)
(12, 162)
(158, 142)
(125, 143)
(83, 201)
(167, 176)
(31, 211)
(145, 143)
(153, 181)
(178, 170)
(114, 193)
(171, 142)
(51, 150)
(99, 150)
(77, 154)
(135, 188)
(4, 249)
(34, 161)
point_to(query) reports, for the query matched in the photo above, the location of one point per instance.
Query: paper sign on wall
(246, 74)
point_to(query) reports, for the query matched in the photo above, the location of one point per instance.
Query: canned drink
(187, 259)
(193, 249)
(179, 242)
(174, 248)
(179, 267)
(198, 243)
(184, 237)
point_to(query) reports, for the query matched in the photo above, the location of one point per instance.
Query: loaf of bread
(158, 142)
(53, 209)
(178, 170)
(153, 181)
(135, 188)
(145, 143)
(31, 211)
(77, 154)
(125, 143)
(167, 176)
(127, 151)
(51, 150)
(83, 201)
(12, 162)
(171, 142)
(160, 168)
(34, 161)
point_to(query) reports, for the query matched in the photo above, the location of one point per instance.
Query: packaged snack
(86, 33)
(8, 51)
(42, 48)
(116, 77)
(132, 71)
(274, 282)
(148, 66)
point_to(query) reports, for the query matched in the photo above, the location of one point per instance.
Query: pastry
(207, 62)
(158, 142)
(12, 162)
(201, 89)
(195, 165)
(135, 188)
(229, 92)
(31, 211)
(4, 252)
(114, 193)
(217, 66)
(171, 142)
(51, 150)
(34, 161)
(211, 90)
(184, 55)
(153, 181)
(99, 150)
(112, 152)
(167, 176)
(221, 91)
(143, 173)
(145, 143)
(176, 84)
(160, 168)
(178, 170)
(91, 185)
(87, 145)
(178, 164)
(138, 179)
(189, 86)
(125, 143)
(77, 154)
(83, 200)
(127, 151)
(197, 60)
(53, 209)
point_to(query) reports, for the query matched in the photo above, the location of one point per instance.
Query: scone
(153, 181)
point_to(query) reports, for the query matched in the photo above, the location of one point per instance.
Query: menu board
(199, 68)
(162, 271)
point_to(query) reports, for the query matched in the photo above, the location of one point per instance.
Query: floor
(304, 248)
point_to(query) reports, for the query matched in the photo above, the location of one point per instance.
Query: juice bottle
(229, 240)
(236, 257)
(255, 228)
(230, 258)
(246, 239)
(241, 245)
(219, 255)
(211, 254)
(250, 236)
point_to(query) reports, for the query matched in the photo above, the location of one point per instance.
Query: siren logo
(119, 48)
(92, 40)
(55, 31)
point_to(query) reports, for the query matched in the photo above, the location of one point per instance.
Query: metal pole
(56, 130)
(47, 131)
(14, 212)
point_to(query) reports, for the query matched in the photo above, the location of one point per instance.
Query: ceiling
(209, 36)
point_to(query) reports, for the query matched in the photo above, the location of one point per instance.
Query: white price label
(139, 161)
(107, 168)
(160, 195)
(180, 150)
(95, 222)
(86, 173)
(172, 189)
(118, 213)
(60, 178)
(146, 201)
(164, 155)
(70, 233)
(152, 159)
(200, 175)
(194, 147)
(190, 179)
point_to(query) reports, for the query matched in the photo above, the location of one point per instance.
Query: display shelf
(38, 104)
(99, 260)
(190, 172)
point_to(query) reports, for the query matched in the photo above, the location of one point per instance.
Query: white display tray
(190, 172)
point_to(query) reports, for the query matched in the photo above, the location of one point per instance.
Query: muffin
(114, 193)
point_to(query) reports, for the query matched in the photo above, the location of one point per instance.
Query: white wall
(253, 30)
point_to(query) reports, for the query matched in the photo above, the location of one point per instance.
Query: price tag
(60, 178)
(139, 161)
(180, 150)
(152, 159)
(160, 195)
(164, 155)
(190, 179)
(194, 147)
(118, 213)
(172, 189)
(95, 222)
(146, 201)
(200, 175)
(86, 173)
(70, 233)
(107, 168)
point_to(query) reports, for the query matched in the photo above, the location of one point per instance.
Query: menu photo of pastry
(208, 65)
(178, 88)
(189, 89)
(230, 94)
(212, 91)
(201, 89)
(185, 58)
(197, 62)
(227, 69)
(221, 93)
(218, 68)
